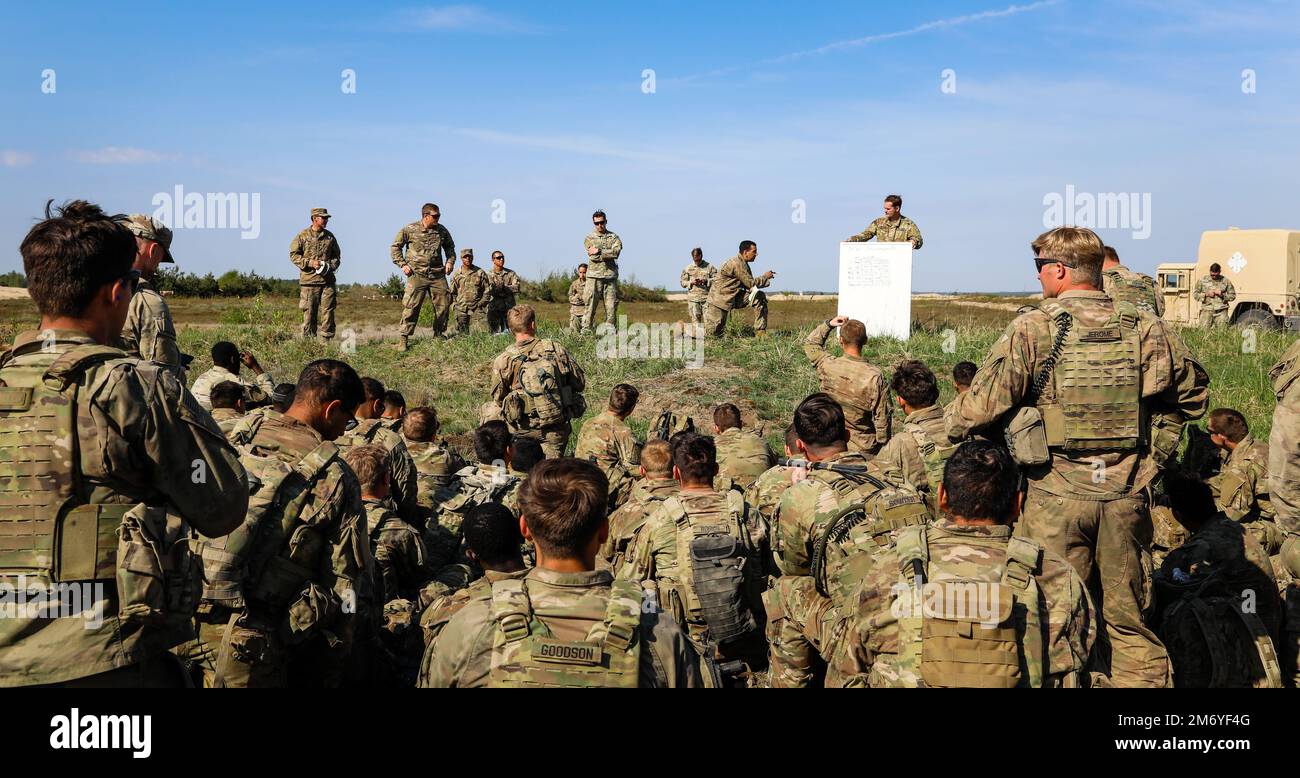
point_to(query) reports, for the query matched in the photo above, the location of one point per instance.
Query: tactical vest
(48, 528)
(1133, 289)
(541, 394)
(854, 536)
(934, 455)
(473, 490)
(525, 653)
(709, 586)
(944, 642)
(433, 469)
(1092, 398)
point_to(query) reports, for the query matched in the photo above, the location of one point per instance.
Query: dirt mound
(682, 390)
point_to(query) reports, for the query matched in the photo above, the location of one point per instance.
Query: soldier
(606, 440)
(1124, 286)
(537, 385)
(1029, 623)
(1215, 294)
(1093, 396)
(696, 279)
(473, 293)
(799, 606)
(742, 456)
(1284, 490)
(137, 438)
(488, 480)
(1241, 487)
(370, 429)
(578, 299)
(856, 384)
(893, 227)
(282, 396)
(227, 405)
(419, 250)
(564, 623)
(394, 410)
(765, 493)
(962, 373)
(735, 287)
(492, 542)
(436, 464)
(401, 562)
(655, 485)
(698, 557)
(917, 456)
(524, 453)
(292, 618)
(149, 332)
(315, 252)
(226, 359)
(505, 285)
(603, 248)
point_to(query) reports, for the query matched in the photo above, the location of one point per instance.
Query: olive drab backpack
(525, 652)
(48, 528)
(1134, 289)
(713, 551)
(541, 393)
(472, 489)
(945, 641)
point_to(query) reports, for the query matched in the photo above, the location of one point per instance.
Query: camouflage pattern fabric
(226, 419)
(901, 458)
(577, 304)
(697, 296)
(401, 468)
(898, 230)
(505, 285)
(257, 390)
(626, 522)
(555, 437)
(317, 304)
(315, 245)
(860, 389)
(1123, 285)
(420, 288)
(607, 441)
(1215, 297)
(429, 254)
(473, 293)
(599, 291)
(765, 493)
(605, 264)
(1284, 491)
(402, 566)
(435, 468)
(729, 292)
(439, 611)
(1241, 492)
(742, 456)
(149, 332)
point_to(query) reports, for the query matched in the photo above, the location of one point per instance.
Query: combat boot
(760, 333)
(402, 344)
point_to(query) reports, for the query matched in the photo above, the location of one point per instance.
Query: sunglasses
(1041, 262)
(599, 224)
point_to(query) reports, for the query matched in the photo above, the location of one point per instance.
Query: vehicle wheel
(1258, 318)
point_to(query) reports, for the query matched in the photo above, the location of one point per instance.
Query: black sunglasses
(1041, 262)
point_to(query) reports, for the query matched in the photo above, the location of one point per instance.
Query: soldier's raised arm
(998, 386)
(814, 346)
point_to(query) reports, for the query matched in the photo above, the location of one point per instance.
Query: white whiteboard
(876, 286)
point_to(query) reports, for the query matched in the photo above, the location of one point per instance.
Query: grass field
(766, 378)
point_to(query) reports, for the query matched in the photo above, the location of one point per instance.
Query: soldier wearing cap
(315, 252)
(473, 292)
(149, 332)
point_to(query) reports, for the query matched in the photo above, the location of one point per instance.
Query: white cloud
(120, 155)
(465, 17)
(11, 158)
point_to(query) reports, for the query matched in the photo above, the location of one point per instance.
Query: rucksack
(541, 393)
(525, 653)
(472, 489)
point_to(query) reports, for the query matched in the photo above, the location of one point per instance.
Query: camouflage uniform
(627, 521)
(226, 419)
(696, 296)
(765, 493)
(435, 468)
(577, 304)
(439, 612)
(259, 390)
(606, 440)
(1123, 285)
(473, 292)
(252, 642)
(876, 656)
(1241, 492)
(424, 250)
(1214, 310)
(316, 297)
(402, 565)
(860, 389)
(462, 656)
(149, 332)
(139, 440)
(729, 292)
(1284, 491)
(505, 285)
(899, 230)
(555, 437)
(742, 456)
(1091, 505)
(602, 278)
(401, 468)
(901, 458)
(475, 484)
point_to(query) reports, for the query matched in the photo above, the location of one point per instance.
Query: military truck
(1263, 266)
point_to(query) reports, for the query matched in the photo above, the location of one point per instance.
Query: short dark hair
(420, 424)
(791, 437)
(726, 416)
(225, 353)
(430, 208)
(525, 452)
(584, 264)
(600, 214)
(963, 373)
(1229, 423)
(282, 397)
(374, 388)
(675, 440)
(896, 200)
(697, 252)
(226, 394)
(982, 481)
(1110, 253)
(746, 245)
(394, 399)
(622, 399)
(819, 421)
(491, 440)
(1215, 268)
(370, 463)
(492, 533)
(72, 254)
(696, 458)
(915, 383)
(853, 333)
(328, 380)
(563, 502)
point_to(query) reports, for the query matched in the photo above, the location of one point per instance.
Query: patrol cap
(466, 253)
(149, 228)
(320, 212)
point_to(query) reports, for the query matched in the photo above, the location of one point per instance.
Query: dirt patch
(692, 393)
(13, 293)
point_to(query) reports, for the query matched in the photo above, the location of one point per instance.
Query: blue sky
(755, 105)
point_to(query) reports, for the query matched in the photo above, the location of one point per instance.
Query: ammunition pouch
(1164, 434)
(158, 576)
(313, 613)
(717, 566)
(1026, 436)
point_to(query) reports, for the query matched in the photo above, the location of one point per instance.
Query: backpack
(473, 489)
(541, 393)
(525, 653)
(953, 647)
(934, 456)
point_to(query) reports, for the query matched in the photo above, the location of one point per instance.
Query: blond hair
(1076, 247)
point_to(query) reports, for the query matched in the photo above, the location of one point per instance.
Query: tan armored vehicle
(1263, 266)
